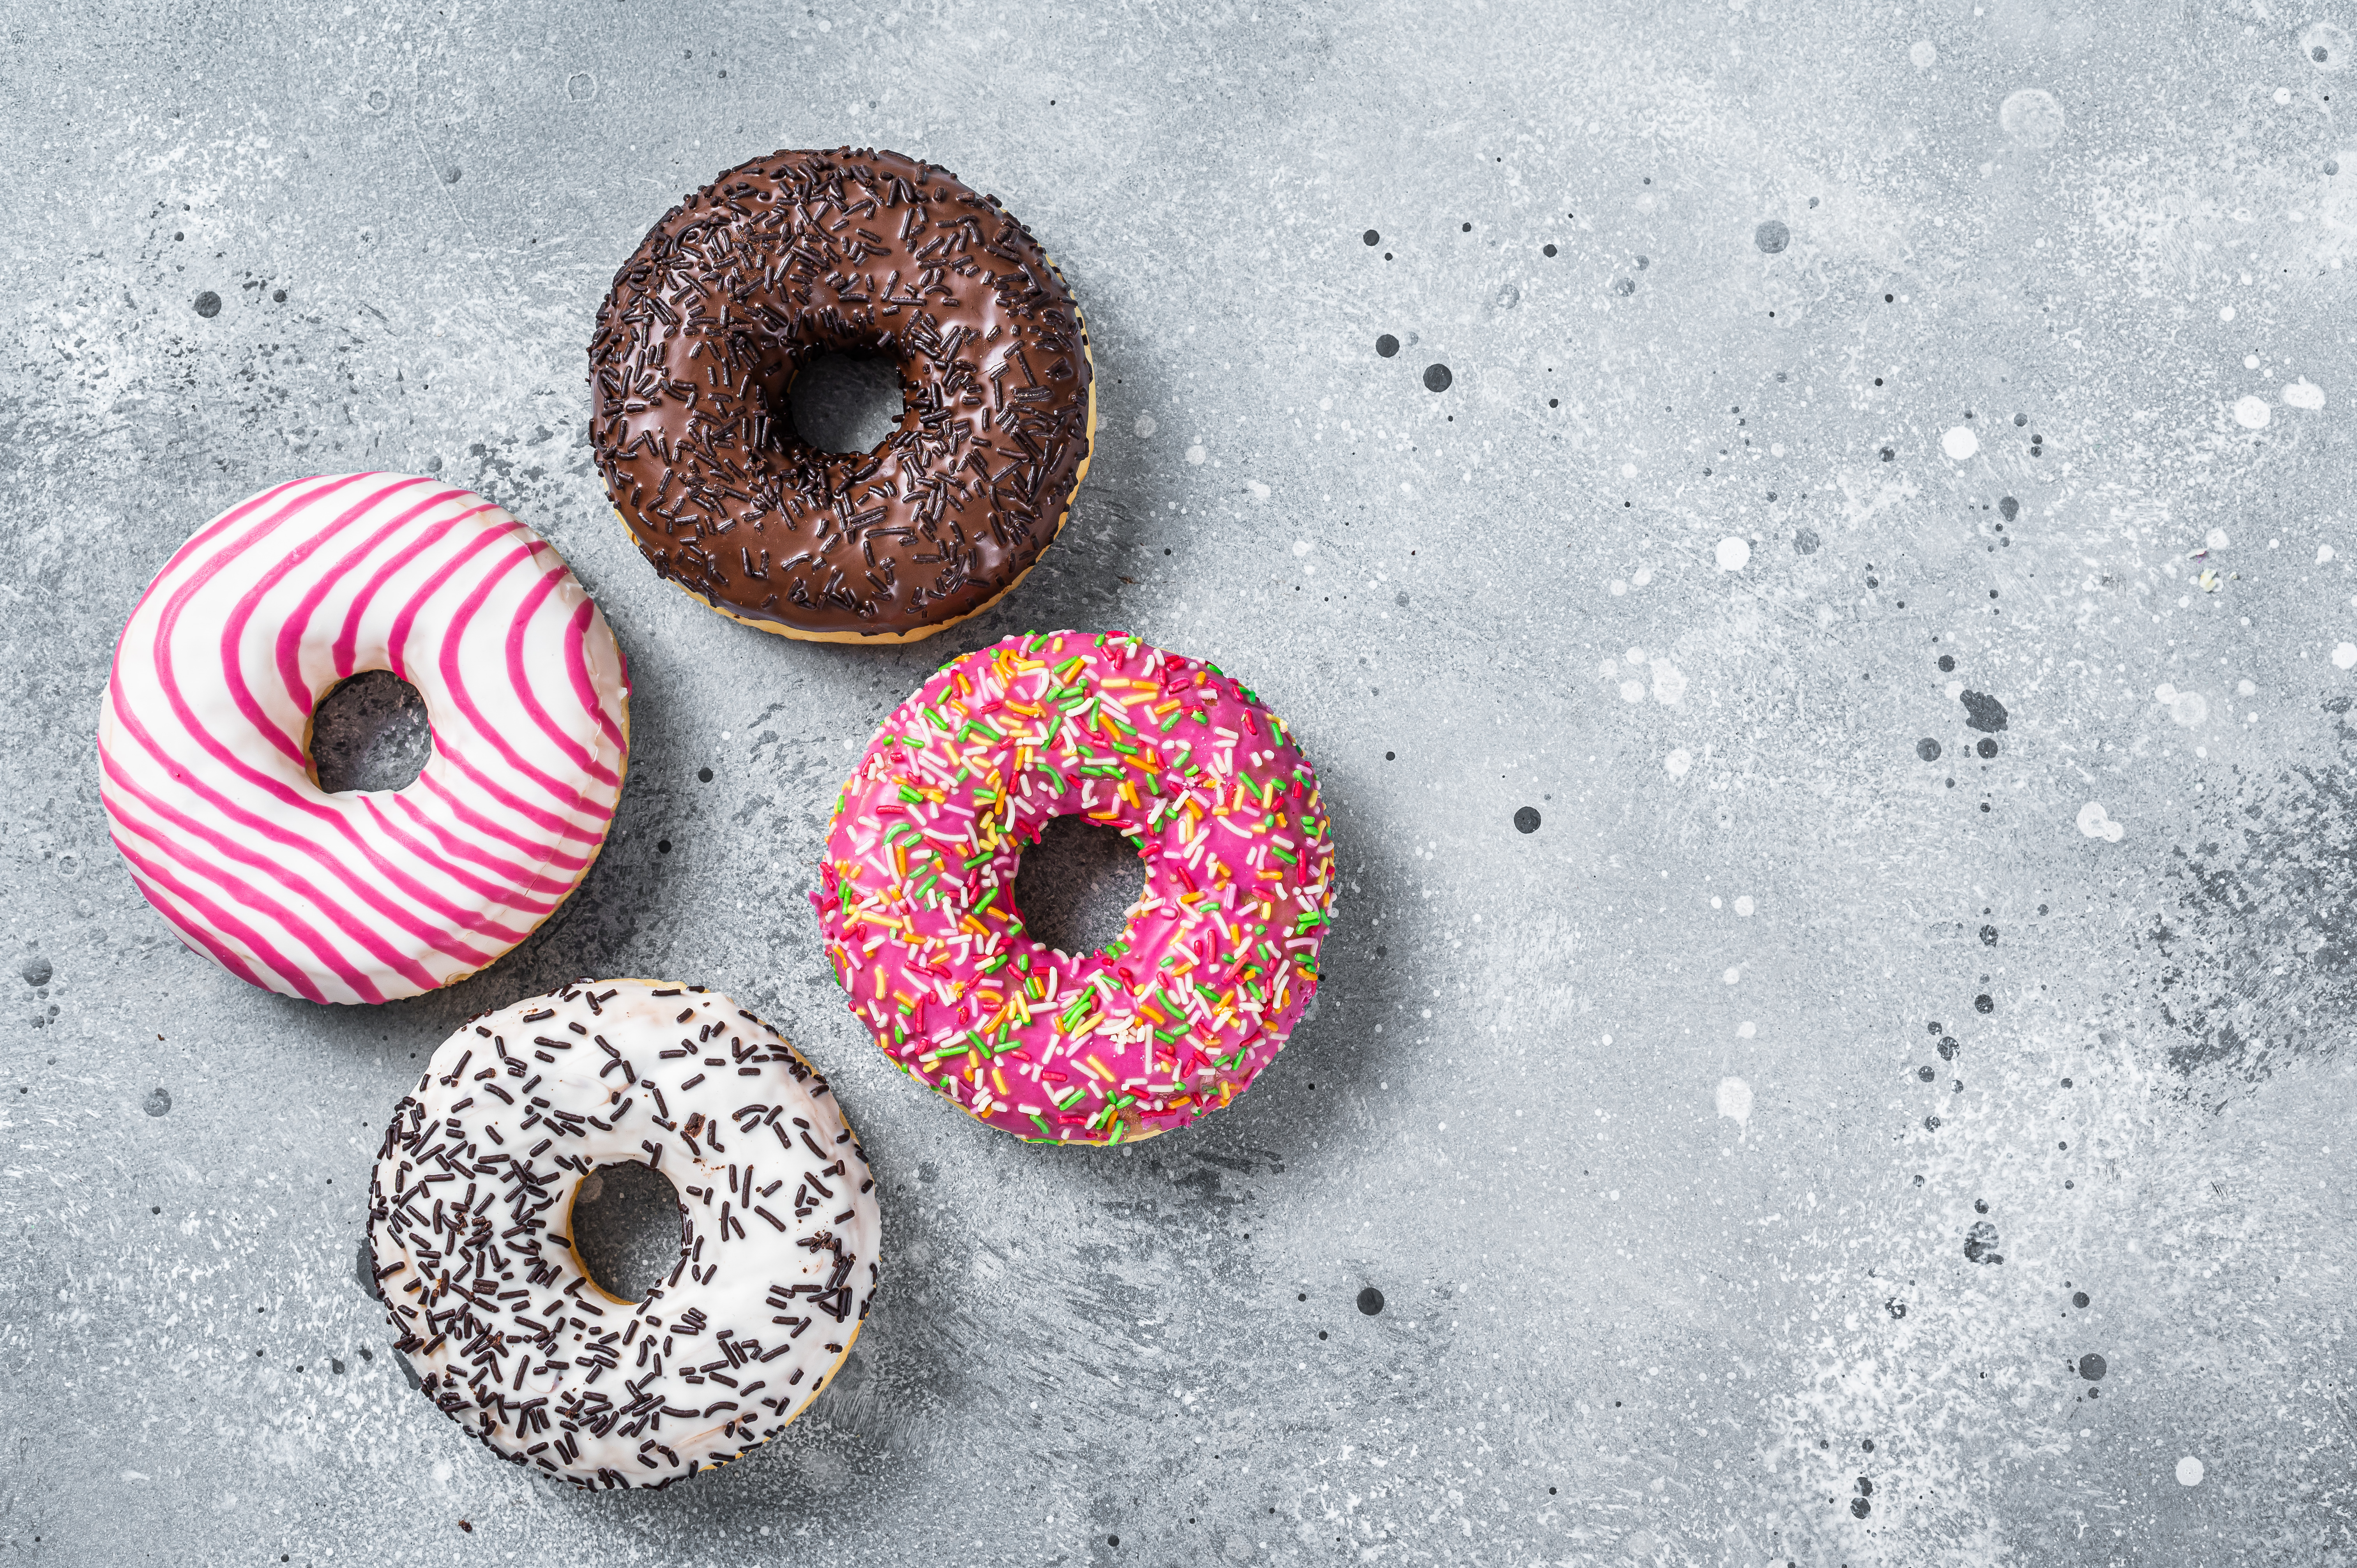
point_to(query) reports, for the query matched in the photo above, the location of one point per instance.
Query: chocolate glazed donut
(802, 253)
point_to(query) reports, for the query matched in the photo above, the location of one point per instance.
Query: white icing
(500, 1123)
(204, 737)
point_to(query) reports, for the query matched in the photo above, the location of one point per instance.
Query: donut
(1219, 958)
(204, 739)
(471, 1208)
(860, 252)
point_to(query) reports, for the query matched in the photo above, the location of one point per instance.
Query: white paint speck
(2323, 553)
(1635, 655)
(2095, 824)
(2225, 313)
(1746, 1029)
(1627, 471)
(2252, 412)
(1734, 553)
(2188, 1471)
(2303, 393)
(2344, 656)
(2217, 540)
(1733, 974)
(1196, 454)
(1619, 586)
(1744, 905)
(1301, 547)
(1955, 690)
(1632, 691)
(1258, 492)
(1734, 1101)
(1642, 575)
(2031, 117)
(1145, 425)
(1679, 762)
(1959, 442)
(1923, 54)
(2188, 708)
(1669, 683)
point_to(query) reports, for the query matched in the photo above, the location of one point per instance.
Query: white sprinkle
(2188, 1471)
(2095, 824)
(1734, 1101)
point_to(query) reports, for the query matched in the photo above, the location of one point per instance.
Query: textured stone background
(1691, 1225)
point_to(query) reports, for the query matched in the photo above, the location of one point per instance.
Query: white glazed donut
(204, 741)
(469, 1221)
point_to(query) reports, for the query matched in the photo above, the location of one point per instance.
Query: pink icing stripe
(525, 614)
(194, 937)
(256, 898)
(559, 827)
(298, 629)
(454, 680)
(515, 880)
(234, 626)
(344, 651)
(468, 817)
(396, 642)
(577, 665)
(367, 892)
(411, 833)
(221, 920)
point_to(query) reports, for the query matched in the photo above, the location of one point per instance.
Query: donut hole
(1074, 888)
(626, 1228)
(371, 732)
(845, 403)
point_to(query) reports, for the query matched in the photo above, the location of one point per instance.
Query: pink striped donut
(205, 739)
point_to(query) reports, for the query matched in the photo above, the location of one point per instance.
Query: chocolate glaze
(802, 253)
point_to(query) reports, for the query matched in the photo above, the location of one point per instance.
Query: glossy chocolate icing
(802, 253)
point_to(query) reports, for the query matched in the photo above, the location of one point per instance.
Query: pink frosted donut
(204, 741)
(1220, 956)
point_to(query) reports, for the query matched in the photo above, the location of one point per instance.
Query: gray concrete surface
(1689, 1223)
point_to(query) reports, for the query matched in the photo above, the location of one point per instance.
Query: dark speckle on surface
(1928, 749)
(1983, 712)
(1436, 378)
(209, 305)
(35, 971)
(1371, 1301)
(2092, 1367)
(1526, 820)
(157, 1103)
(1387, 345)
(1771, 236)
